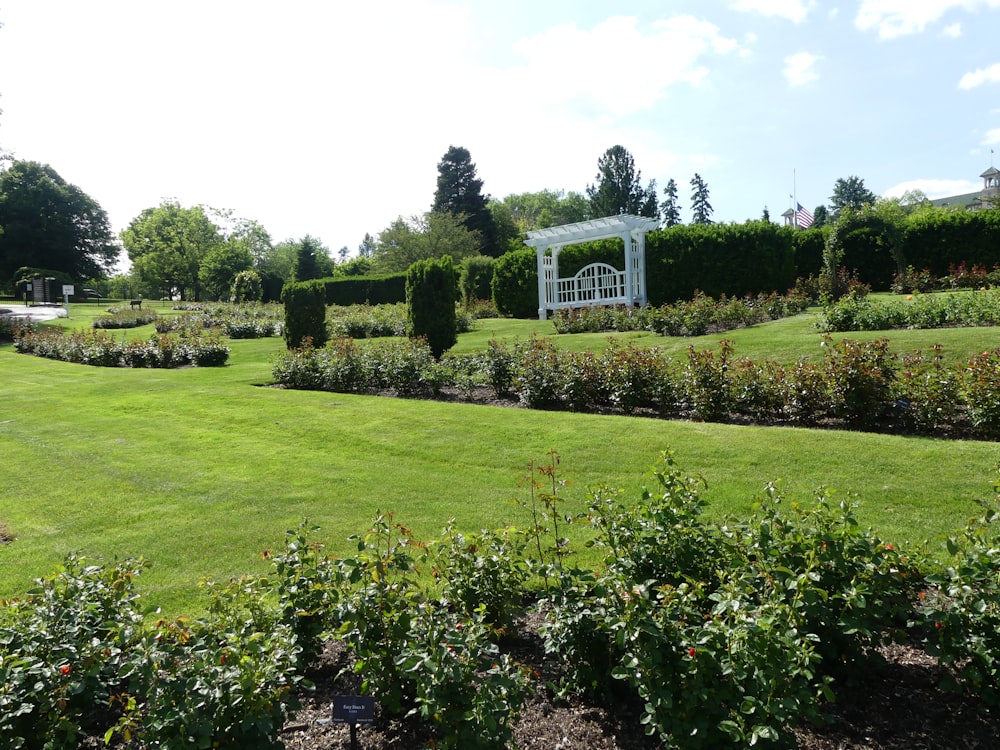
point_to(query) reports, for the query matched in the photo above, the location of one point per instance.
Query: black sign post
(353, 710)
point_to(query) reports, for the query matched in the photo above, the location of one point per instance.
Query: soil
(896, 706)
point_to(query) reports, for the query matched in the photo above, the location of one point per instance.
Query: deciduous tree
(49, 223)
(546, 208)
(432, 235)
(850, 193)
(220, 267)
(167, 245)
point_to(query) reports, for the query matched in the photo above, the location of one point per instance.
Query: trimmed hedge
(305, 312)
(476, 278)
(431, 290)
(385, 289)
(515, 284)
(720, 259)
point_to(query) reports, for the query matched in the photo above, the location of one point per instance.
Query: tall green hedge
(385, 289)
(305, 312)
(431, 293)
(808, 245)
(515, 283)
(476, 277)
(938, 239)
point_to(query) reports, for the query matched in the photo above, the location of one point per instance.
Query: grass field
(200, 470)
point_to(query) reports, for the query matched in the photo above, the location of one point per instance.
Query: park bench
(136, 303)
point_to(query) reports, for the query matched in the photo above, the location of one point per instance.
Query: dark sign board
(353, 709)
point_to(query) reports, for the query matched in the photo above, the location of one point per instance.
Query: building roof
(991, 172)
(964, 200)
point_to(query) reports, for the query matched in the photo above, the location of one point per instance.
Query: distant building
(985, 198)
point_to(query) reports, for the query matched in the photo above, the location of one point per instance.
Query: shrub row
(695, 318)
(77, 659)
(366, 321)
(859, 385)
(860, 313)
(724, 634)
(104, 350)
(11, 326)
(238, 321)
(121, 317)
(722, 259)
(960, 276)
(386, 289)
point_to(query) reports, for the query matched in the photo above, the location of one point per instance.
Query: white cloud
(980, 76)
(894, 18)
(933, 188)
(793, 10)
(800, 68)
(670, 52)
(952, 31)
(992, 137)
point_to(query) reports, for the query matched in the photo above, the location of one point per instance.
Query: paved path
(37, 313)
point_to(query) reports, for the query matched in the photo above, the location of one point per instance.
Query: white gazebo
(598, 283)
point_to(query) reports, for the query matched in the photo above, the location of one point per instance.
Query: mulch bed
(897, 706)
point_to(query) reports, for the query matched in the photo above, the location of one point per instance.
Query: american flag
(803, 218)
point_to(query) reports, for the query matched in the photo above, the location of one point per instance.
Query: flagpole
(795, 200)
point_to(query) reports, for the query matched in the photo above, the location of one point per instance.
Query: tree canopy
(220, 266)
(47, 222)
(546, 208)
(432, 235)
(619, 187)
(670, 209)
(460, 193)
(850, 193)
(167, 245)
(312, 259)
(701, 209)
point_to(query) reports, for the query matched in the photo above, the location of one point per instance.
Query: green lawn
(199, 470)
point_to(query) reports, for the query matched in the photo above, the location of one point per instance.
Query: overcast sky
(329, 118)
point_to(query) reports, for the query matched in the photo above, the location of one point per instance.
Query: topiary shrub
(305, 312)
(476, 278)
(431, 291)
(247, 287)
(515, 284)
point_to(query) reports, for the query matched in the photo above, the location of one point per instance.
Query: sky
(329, 118)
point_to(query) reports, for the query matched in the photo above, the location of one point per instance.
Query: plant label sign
(353, 709)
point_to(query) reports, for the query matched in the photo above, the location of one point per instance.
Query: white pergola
(598, 283)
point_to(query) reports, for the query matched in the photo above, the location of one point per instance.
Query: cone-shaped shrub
(431, 291)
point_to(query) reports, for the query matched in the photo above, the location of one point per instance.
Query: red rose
(64, 669)
(692, 652)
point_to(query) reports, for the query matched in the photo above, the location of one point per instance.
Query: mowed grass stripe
(199, 470)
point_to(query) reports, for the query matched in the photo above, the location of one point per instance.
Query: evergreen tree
(619, 187)
(307, 259)
(701, 209)
(820, 217)
(459, 192)
(670, 209)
